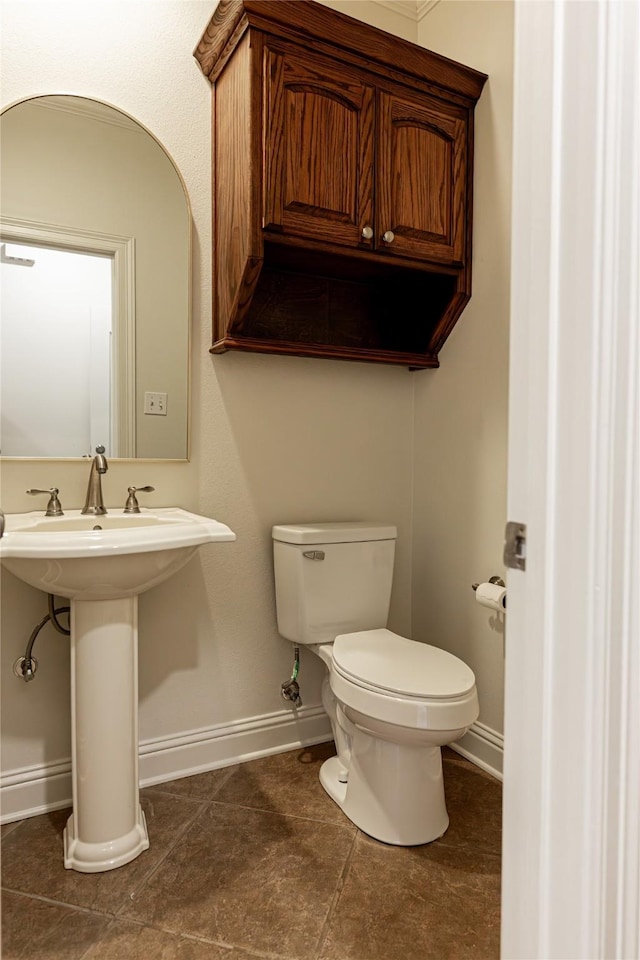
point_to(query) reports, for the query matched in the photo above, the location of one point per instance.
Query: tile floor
(255, 861)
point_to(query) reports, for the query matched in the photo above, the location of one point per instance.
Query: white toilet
(392, 702)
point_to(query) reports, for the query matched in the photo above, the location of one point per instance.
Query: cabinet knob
(388, 236)
(367, 232)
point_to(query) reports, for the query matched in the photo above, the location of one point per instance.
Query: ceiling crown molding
(407, 8)
(425, 7)
(413, 10)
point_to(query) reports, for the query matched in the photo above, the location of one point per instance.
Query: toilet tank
(332, 578)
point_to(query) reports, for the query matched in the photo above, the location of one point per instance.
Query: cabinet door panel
(318, 150)
(421, 179)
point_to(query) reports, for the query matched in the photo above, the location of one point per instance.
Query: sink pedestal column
(107, 827)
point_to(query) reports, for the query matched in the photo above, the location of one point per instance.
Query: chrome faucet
(93, 503)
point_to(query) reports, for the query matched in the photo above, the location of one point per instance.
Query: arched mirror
(95, 285)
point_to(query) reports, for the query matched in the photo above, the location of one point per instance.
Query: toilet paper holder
(497, 580)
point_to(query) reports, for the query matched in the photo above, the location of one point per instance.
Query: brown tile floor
(256, 861)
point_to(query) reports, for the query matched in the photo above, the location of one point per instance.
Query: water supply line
(290, 689)
(25, 667)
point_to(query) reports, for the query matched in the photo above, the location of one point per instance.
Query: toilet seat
(381, 675)
(385, 662)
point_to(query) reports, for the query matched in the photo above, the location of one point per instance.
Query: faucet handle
(54, 507)
(132, 505)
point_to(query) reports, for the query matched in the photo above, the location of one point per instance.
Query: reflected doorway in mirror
(56, 401)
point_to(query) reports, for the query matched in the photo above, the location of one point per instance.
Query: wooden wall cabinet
(343, 177)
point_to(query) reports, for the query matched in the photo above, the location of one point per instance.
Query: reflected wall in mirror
(95, 285)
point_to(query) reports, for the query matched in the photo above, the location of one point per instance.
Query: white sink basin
(104, 557)
(102, 563)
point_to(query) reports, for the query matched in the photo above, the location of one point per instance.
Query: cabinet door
(318, 149)
(421, 178)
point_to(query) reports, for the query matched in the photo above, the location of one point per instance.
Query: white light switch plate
(155, 404)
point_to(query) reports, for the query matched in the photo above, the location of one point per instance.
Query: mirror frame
(14, 230)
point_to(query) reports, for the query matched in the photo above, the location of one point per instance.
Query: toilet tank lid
(338, 532)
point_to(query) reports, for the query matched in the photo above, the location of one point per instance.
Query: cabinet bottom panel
(415, 361)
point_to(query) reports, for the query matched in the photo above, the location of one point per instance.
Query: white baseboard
(30, 791)
(484, 747)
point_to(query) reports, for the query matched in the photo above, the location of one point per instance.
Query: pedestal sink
(101, 564)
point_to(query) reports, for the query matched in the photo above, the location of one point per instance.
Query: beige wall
(399, 19)
(460, 436)
(273, 439)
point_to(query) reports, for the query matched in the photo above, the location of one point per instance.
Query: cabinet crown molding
(308, 20)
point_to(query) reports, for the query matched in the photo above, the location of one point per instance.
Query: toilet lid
(382, 660)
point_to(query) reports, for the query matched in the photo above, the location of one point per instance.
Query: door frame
(571, 843)
(122, 252)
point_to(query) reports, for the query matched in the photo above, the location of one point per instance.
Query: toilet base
(394, 793)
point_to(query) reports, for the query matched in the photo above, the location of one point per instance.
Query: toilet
(392, 702)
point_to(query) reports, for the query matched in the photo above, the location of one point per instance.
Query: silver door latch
(515, 545)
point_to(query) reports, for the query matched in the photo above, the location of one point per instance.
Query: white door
(571, 854)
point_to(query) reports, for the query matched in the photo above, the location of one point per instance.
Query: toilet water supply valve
(290, 689)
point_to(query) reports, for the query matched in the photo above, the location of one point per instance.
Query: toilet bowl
(397, 702)
(392, 702)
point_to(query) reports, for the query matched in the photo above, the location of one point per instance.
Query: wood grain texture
(392, 310)
(325, 125)
(421, 185)
(449, 318)
(234, 211)
(381, 50)
(220, 29)
(415, 361)
(318, 148)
